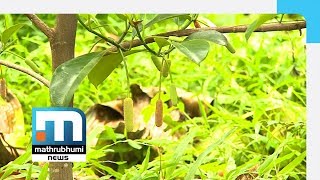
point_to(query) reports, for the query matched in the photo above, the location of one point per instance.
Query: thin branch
(49, 32)
(143, 43)
(298, 25)
(183, 28)
(109, 40)
(29, 72)
(124, 33)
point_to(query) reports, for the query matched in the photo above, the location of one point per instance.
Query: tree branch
(224, 29)
(29, 72)
(49, 32)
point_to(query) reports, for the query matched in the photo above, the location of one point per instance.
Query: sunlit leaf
(107, 169)
(145, 162)
(134, 144)
(161, 42)
(104, 68)
(257, 23)
(28, 177)
(270, 160)
(212, 36)
(9, 32)
(293, 164)
(122, 17)
(242, 169)
(195, 166)
(67, 77)
(180, 150)
(196, 50)
(44, 172)
(162, 17)
(181, 20)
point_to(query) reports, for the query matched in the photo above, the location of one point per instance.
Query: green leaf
(134, 144)
(270, 160)
(180, 150)
(181, 20)
(203, 155)
(196, 50)
(293, 164)
(44, 172)
(108, 134)
(9, 32)
(145, 162)
(242, 169)
(162, 42)
(212, 36)
(23, 158)
(257, 23)
(162, 17)
(122, 17)
(107, 169)
(104, 68)
(67, 77)
(29, 173)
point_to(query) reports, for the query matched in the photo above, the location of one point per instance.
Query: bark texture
(62, 48)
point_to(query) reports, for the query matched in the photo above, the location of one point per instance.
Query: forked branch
(298, 25)
(43, 27)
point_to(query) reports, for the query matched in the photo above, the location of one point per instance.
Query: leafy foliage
(257, 23)
(196, 50)
(260, 89)
(69, 75)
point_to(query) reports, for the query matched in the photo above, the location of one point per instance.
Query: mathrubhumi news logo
(58, 134)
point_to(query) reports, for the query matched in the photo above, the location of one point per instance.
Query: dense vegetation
(255, 127)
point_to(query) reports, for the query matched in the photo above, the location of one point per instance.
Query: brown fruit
(196, 24)
(3, 88)
(159, 113)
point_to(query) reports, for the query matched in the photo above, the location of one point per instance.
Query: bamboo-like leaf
(114, 173)
(293, 164)
(44, 172)
(9, 32)
(242, 169)
(269, 161)
(162, 17)
(28, 177)
(134, 144)
(195, 165)
(145, 162)
(179, 151)
(257, 23)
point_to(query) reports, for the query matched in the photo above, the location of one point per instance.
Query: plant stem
(109, 40)
(143, 42)
(127, 73)
(29, 72)
(124, 33)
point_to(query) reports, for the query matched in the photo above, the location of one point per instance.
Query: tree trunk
(62, 47)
